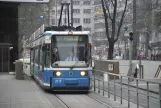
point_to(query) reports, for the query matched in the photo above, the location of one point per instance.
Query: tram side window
(32, 56)
(36, 57)
(41, 57)
(48, 55)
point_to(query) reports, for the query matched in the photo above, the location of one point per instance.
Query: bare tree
(114, 21)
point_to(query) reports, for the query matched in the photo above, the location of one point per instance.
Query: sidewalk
(21, 93)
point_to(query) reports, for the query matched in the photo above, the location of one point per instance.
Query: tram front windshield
(69, 51)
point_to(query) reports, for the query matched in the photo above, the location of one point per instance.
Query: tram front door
(4, 57)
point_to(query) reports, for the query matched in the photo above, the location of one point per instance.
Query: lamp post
(125, 38)
(130, 49)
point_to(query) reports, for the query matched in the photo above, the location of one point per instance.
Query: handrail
(128, 77)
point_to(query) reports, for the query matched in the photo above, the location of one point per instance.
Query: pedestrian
(154, 57)
(151, 56)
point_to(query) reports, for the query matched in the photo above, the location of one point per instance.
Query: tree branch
(121, 21)
(108, 10)
(106, 21)
(114, 20)
(112, 3)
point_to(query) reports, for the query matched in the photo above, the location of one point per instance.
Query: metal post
(94, 82)
(2, 59)
(108, 87)
(147, 94)
(134, 29)
(128, 93)
(56, 21)
(160, 95)
(125, 50)
(130, 56)
(114, 90)
(121, 90)
(8, 59)
(99, 83)
(48, 14)
(68, 16)
(72, 13)
(137, 94)
(103, 88)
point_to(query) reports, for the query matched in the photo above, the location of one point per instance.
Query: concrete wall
(150, 67)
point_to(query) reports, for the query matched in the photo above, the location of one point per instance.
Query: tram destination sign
(26, 1)
(69, 38)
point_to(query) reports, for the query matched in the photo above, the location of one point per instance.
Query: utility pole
(130, 50)
(56, 21)
(48, 14)
(72, 13)
(134, 30)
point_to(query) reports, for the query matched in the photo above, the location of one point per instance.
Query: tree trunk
(147, 44)
(110, 51)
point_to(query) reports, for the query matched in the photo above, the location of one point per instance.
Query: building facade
(82, 14)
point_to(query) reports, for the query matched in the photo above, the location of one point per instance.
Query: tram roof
(66, 32)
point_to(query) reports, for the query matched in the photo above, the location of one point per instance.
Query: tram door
(4, 58)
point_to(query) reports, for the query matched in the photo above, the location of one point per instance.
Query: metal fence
(138, 91)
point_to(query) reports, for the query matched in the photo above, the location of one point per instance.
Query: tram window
(47, 59)
(32, 56)
(36, 56)
(38, 60)
(41, 57)
(46, 55)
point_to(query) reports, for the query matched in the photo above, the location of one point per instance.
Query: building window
(87, 11)
(87, 20)
(53, 12)
(97, 8)
(77, 11)
(76, 2)
(87, 2)
(99, 25)
(53, 21)
(76, 20)
(97, 2)
(58, 11)
(98, 17)
(87, 29)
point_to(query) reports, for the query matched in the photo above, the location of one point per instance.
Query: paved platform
(21, 93)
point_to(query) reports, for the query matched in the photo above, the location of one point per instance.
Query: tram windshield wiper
(74, 65)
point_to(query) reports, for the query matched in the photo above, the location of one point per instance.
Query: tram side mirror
(31, 49)
(10, 48)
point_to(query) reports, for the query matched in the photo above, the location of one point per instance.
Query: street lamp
(126, 34)
(130, 49)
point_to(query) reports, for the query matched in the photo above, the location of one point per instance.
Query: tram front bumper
(70, 83)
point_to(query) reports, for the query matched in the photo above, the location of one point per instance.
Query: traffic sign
(110, 67)
(100, 11)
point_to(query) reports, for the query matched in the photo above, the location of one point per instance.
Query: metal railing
(157, 72)
(126, 88)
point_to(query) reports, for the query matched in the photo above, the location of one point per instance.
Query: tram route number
(110, 67)
(58, 81)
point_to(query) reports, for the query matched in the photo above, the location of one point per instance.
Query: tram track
(62, 101)
(101, 102)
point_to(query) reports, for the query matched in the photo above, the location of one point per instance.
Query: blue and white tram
(62, 60)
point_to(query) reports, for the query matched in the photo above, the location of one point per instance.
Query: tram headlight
(83, 73)
(58, 73)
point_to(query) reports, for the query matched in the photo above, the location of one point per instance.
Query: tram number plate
(58, 81)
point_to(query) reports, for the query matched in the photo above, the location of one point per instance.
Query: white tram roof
(67, 32)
